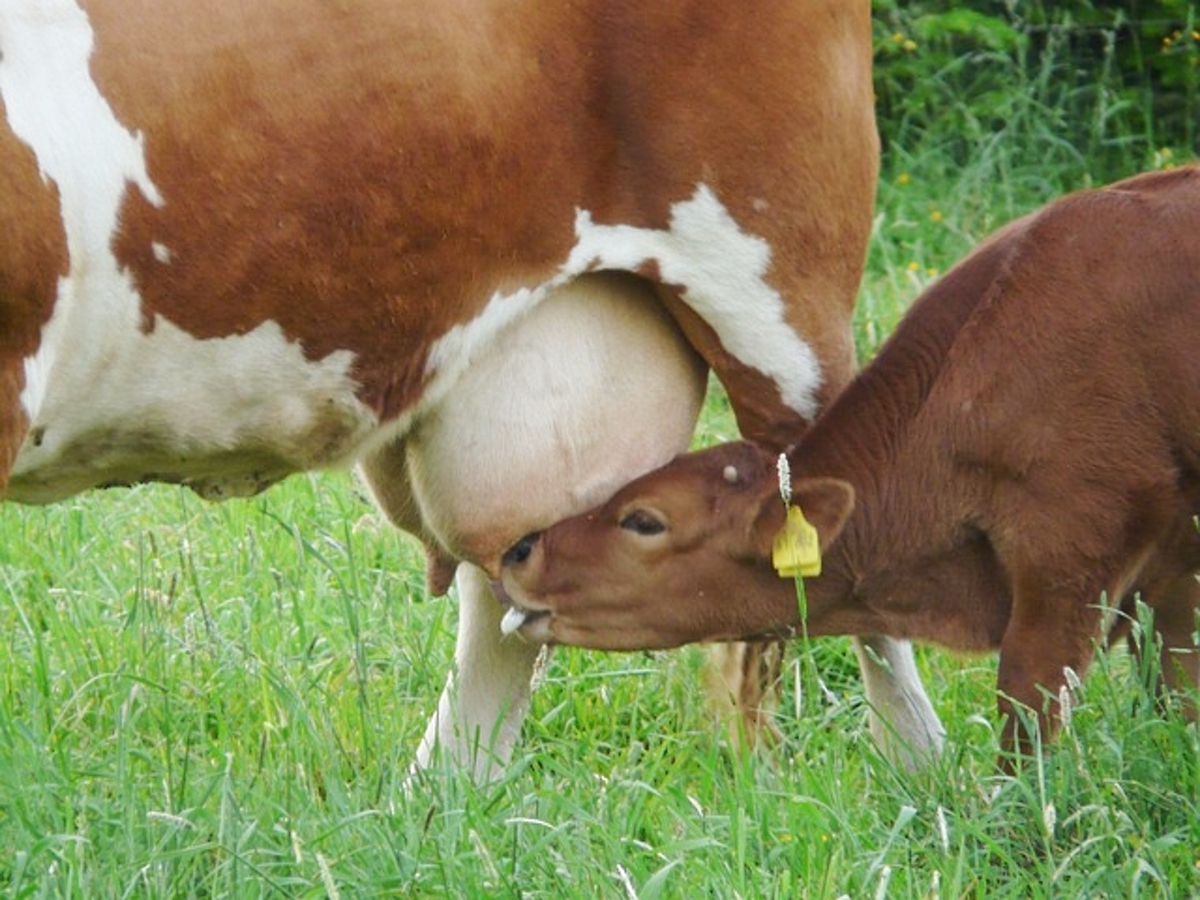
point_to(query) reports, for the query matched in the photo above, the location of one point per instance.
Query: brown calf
(1022, 459)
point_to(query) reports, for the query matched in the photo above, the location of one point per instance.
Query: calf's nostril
(519, 552)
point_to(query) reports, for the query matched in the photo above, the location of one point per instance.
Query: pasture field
(203, 701)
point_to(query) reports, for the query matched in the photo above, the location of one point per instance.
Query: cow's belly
(593, 388)
(228, 416)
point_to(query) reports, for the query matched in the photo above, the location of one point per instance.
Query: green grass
(222, 701)
(204, 701)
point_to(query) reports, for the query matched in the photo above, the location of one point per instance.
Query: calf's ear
(826, 503)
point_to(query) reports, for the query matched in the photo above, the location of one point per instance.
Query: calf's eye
(641, 522)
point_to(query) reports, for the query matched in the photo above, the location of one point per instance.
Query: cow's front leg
(478, 719)
(486, 695)
(902, 720)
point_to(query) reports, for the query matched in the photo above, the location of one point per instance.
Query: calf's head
(682, 554)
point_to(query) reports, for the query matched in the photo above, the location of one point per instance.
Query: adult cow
(245, 239)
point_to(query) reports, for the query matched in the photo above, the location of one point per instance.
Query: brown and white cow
(1020, 461)
(243, 239)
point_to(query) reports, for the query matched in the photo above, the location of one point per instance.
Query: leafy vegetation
(1081, 87)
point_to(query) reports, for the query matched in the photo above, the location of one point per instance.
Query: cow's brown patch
(363, 176)
(33, 256)
(368, 174)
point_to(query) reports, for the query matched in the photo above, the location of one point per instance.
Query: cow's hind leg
(487, 693)
(902, 720)
(745, 688)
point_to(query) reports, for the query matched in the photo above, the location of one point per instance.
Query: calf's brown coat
(1020, 462)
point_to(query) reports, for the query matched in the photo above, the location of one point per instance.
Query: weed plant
(203, 701)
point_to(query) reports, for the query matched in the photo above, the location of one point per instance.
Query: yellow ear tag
(796, 550)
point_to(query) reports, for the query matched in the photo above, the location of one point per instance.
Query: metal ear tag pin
(796, 550)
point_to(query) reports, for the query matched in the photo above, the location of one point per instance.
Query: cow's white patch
(721, 269)
(107, 402)
(723, 272)
(452, 354)
(53, 105)
(229, 416)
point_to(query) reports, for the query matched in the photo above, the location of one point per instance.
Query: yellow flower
(935, 216)
(914, 266)
(898, 37)
(903, 178)
(910, 46)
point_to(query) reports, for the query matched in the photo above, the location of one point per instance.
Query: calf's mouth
(531, 625)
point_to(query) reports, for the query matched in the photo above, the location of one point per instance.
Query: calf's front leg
(1048, 632)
